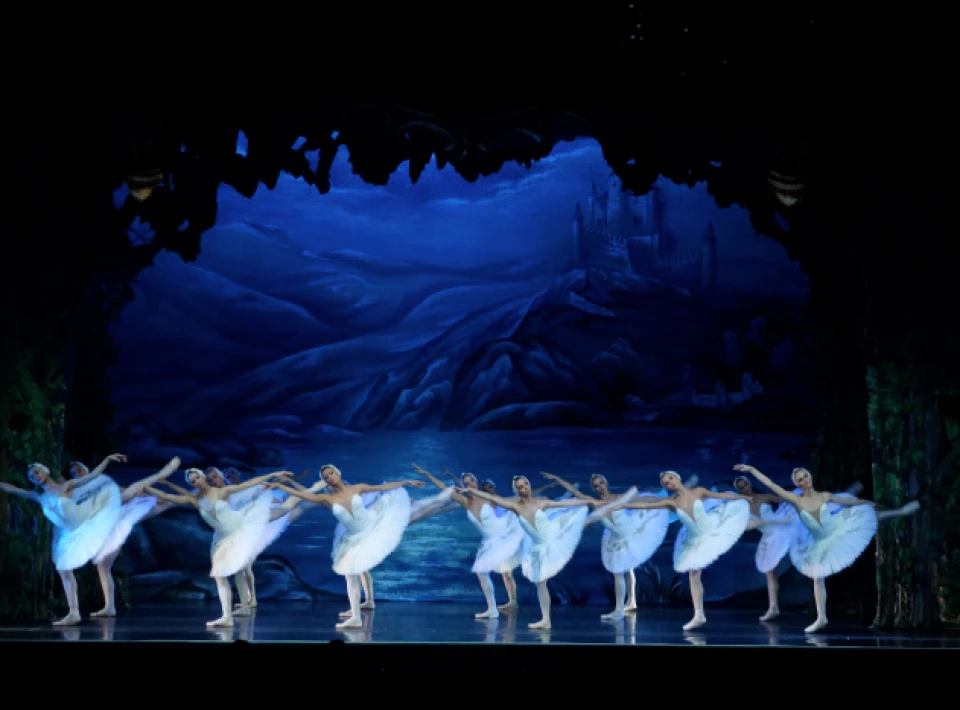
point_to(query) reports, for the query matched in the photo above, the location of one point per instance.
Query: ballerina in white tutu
(281, 517)
(371, 534)
(778, 526)
(550, 541)
(238, 533)
(630, 537)
(705, 535)
(136, 507)
(80, 528)
(836, 529)
(502, 538)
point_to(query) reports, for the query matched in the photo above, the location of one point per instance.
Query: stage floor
(454, 623)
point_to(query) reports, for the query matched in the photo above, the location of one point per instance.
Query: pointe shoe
(104, 613)
(508, 605)
(224, 622)
(354, 622)
(697, 621)
(488, 614)
(771, 614)
(542, 624)
(71, 619)
(614, 615)
(815, 626)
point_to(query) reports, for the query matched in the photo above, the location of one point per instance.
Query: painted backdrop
(539, 319)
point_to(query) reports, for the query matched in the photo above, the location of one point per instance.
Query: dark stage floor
(401, 635)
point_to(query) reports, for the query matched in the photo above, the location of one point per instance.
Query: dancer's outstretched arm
(649, 503)
(572, 503)
(506, 503)
(19, 492)
(175, 488)
(762, 498)
(95, 473)
(537, 491)
(567, 486)
(259, 480)
(393, 485)
(135, 490)
(707, 493)
(175, 499)
(786, 495)
(456, 481)
(319, 498)
(845, 501)
(461, 500)
(119, 458)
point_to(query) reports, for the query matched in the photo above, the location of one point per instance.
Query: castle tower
(577, 233)
(615, 205)
(708, 258)
(590, 217)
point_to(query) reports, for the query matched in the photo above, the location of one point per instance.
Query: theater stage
(403, 635)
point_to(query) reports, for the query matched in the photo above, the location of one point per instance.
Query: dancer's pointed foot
(614, 615)
(697, 621)
(542, 624)
(353, 622)
(71, 619)
(509, 605)
(630, 608)
(224, 622)
(242, 611)
(488, 614)
(105, 612)
(772, 613)
(368, 605)
(345, 614)
(816, 625)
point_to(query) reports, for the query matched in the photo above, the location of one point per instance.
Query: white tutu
(777, 529)
(820, 549)
(132, 513)
(631, 536)
(501, 549)
(707, 535)
(239, 535)
(550, 544)
(370, 533)
(81, 529)
(432, 505)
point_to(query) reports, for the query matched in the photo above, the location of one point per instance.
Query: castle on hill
(620, 231)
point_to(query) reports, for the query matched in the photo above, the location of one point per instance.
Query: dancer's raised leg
(73, 600)
(696, 593)
(486, 584)
(135, 489)
(105, 572)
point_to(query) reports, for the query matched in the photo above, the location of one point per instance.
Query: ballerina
(705, 536)
(829, 540)
(777, 530)
(238, 533)
(630, 538)
(136, 507)
(80, 529)
(501, 549)
(550, 542)
(371, 534)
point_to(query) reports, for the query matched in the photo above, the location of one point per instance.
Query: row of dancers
(823, 533)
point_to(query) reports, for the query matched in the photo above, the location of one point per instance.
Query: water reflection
(773, 632)
(69, 633)
(490, 629)
(107, 626)
(696, 639)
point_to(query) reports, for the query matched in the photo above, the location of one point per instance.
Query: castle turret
(709, 258)
(590, 217)
(577, 233)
